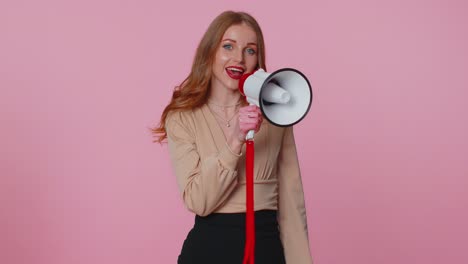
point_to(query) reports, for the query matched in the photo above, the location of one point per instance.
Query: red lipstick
(235, 72)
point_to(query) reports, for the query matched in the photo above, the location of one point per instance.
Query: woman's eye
(251, 51)
(227, 46)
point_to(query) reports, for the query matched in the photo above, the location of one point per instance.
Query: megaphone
(284, 96)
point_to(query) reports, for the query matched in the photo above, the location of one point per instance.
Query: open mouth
(235, 72)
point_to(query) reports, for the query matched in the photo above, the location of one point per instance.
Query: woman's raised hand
(250, 118)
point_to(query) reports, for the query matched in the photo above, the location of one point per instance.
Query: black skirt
(220, 238)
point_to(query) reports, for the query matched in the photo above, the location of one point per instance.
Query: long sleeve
(292, 217)
(204, 182)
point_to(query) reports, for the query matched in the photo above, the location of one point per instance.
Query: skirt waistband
(265, 220)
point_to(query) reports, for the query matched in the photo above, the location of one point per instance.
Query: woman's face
(236, 55)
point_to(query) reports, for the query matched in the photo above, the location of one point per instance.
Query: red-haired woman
(205, 125)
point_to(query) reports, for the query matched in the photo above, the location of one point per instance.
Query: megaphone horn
(284, 96)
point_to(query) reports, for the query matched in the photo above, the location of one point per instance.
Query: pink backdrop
(384, 151)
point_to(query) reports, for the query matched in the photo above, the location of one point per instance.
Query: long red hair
(193, 91)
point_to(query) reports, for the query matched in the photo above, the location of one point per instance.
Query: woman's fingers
(250, 118)
(251, 115)
(250, 111)
(249, 108)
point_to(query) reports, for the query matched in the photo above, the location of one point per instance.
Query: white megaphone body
(283, 96)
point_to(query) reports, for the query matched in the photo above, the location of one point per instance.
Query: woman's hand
(250, 118)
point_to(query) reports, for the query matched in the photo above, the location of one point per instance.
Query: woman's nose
(239, 55)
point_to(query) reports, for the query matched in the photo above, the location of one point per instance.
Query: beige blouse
(212, 179)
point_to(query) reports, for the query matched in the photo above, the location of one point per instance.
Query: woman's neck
(225, 99)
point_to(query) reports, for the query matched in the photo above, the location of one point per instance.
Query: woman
(205, 125)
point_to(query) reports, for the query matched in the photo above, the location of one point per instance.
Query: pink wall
(384, 151)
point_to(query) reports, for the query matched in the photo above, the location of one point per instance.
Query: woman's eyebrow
(231, 40)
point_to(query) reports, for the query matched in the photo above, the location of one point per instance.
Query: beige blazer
(212, 179)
